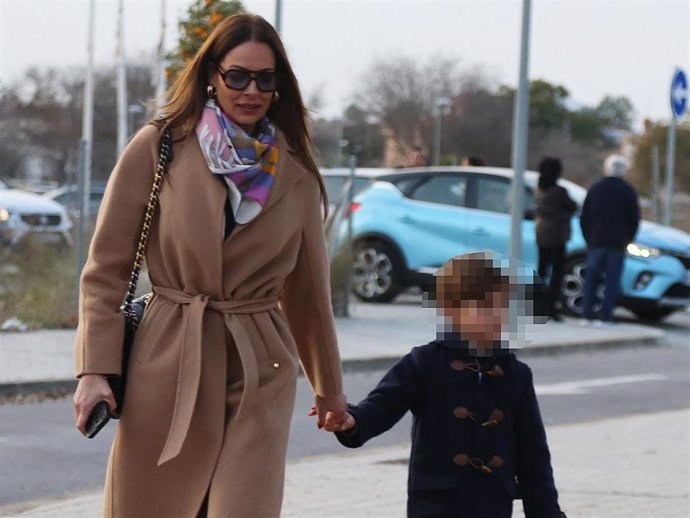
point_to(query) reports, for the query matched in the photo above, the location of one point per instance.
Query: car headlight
(638, 250)
(4, 215)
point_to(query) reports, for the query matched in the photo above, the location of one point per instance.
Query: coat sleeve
(568, 203)
(104, 279)
(633, 215)
(400, 390)
(533, 467)
(306, 301)
(586, 217)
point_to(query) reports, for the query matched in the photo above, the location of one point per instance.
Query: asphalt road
(43, 456)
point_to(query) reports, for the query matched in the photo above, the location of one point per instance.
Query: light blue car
(408, 222)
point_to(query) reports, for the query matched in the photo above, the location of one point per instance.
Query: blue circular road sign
(679, 93)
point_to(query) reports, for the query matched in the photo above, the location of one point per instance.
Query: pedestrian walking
(238, 263)
(554, 208)
(477, 428)
(609, 221)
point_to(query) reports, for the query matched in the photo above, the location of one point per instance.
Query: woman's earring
(211, 91)
(276, 97)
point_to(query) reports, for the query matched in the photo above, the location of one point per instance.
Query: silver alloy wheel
(573, 290)
(372, 273)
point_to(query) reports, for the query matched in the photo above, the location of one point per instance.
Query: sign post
(520, 130)
(679, 104)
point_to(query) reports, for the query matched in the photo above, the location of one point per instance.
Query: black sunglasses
(239, 79)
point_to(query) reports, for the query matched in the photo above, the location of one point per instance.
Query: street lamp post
(85, 147)
(441, 106)
(520, 129)
(159, 72)
(121, 81)
(279, 16)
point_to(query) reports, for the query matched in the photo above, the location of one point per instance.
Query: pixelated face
(480, 320)
(487, 300)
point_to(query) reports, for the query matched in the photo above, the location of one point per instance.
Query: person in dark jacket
(478, 440)
(609, 220)
(554, 209)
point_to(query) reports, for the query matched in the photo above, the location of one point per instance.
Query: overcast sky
(592, 47)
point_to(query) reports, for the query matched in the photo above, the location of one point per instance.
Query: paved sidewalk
(627, 467)
(374, 334)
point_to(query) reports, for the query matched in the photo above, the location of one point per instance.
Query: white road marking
(582, 386)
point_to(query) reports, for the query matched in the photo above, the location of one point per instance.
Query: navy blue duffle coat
(478, 440)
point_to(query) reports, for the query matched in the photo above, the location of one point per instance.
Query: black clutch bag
(133, 309)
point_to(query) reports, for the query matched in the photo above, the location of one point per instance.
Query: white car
(23, 213)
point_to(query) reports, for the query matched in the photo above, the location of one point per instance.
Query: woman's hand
(92, 388)
(334, 408)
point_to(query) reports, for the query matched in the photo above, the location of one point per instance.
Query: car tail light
(354, 207)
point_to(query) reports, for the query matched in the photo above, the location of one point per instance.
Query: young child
(478, 440)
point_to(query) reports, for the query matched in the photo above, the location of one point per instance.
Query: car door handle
(480, 232)
(408, 219)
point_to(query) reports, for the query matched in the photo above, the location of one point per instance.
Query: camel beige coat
(213, 371)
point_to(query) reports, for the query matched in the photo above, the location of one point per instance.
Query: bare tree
(400, 92)
(42, 112)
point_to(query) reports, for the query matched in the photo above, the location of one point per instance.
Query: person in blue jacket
(609, 220)
(478, 441)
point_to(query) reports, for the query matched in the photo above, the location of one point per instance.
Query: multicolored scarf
(247, 164)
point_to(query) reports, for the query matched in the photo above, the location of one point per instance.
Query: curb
(68, 386)
(606, 345)
(22, 389)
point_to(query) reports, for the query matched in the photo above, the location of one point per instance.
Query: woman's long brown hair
(188, 93)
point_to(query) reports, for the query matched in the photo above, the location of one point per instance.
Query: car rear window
(334, 184)
(336, 187)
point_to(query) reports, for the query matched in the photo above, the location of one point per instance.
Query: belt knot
(189, 366)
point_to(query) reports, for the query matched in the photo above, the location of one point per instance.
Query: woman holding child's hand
(338, 420)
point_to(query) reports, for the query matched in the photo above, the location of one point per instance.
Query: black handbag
(133, 309)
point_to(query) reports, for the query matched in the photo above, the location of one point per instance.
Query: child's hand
(333, 404)
(331, 423)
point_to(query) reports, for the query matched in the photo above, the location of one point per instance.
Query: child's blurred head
(476, 294)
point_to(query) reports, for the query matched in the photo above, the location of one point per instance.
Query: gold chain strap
(163, 157)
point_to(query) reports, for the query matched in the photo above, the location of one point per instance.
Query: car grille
(41, 220)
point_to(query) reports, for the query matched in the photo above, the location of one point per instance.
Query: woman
(554, 209)
(240, 276)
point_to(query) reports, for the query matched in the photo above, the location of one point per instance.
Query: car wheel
(376, 272)
(573, 288)
(653, 314)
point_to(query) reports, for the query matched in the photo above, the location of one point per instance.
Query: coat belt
(189, 367)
